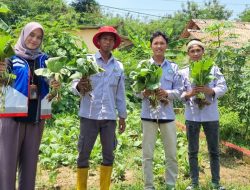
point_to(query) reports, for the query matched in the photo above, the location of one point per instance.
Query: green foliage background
(59, 143)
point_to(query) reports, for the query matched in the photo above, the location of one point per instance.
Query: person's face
(34, 39)
(159, 46)
(195, 52)
(106, 42)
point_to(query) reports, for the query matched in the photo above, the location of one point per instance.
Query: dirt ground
(233, 171)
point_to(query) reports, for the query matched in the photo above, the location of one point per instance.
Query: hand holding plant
(205, 89)
(162, 95)
(85, 67)
(55, 88)
(6, 79)
(191, 93)
(146, 93)
(55, 72)
(147, 80)
(200, 75)
(6, 51)
(84, 86)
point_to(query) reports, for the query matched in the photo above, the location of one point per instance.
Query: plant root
(86, 88)
(201, 102)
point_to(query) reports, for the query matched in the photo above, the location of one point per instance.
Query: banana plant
(84, 68)
(55, 70)
(147, 77)
(200, 75)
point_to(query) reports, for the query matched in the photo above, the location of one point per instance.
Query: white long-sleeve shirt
(108, 94)
(172, 83)
(208, 112)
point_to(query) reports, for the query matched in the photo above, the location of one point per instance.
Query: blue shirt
(108, 94)
(172, 83)
(209, 112)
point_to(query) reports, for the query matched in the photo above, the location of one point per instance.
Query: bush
(59, 142)
(230, 125)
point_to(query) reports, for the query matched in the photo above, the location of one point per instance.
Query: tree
(21, 9)
(191, 10)
(211, 10)
(88, 6)
(245, 15)
(18, 9)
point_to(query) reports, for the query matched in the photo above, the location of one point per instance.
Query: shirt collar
(99, 56)
(165, 62)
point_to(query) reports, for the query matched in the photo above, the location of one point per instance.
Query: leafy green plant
(6, 78)
(6, 50)
(5, 46)
(200, 76)
(147, 76)
(3, 8)
(142, 46)
(234, 64)
(231, 128)
(243, 106)
(58, 145)
(55, 71)
(85, 67)
(218, 29)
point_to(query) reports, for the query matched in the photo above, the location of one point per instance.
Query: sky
(161, 7)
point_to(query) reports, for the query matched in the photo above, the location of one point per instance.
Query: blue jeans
(211, 130)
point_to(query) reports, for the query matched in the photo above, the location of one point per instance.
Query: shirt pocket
(114, 79)
(167, 82)
(95, 79)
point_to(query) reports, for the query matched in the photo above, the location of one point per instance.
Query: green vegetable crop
(56, 70)
(200, 75)
(147, 77)
(6, 51)
(84, 68)
(6, 79)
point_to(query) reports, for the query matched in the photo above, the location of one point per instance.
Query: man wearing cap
(98, 108)
(208, 117)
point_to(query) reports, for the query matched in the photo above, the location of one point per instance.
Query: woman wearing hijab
(26, 107)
